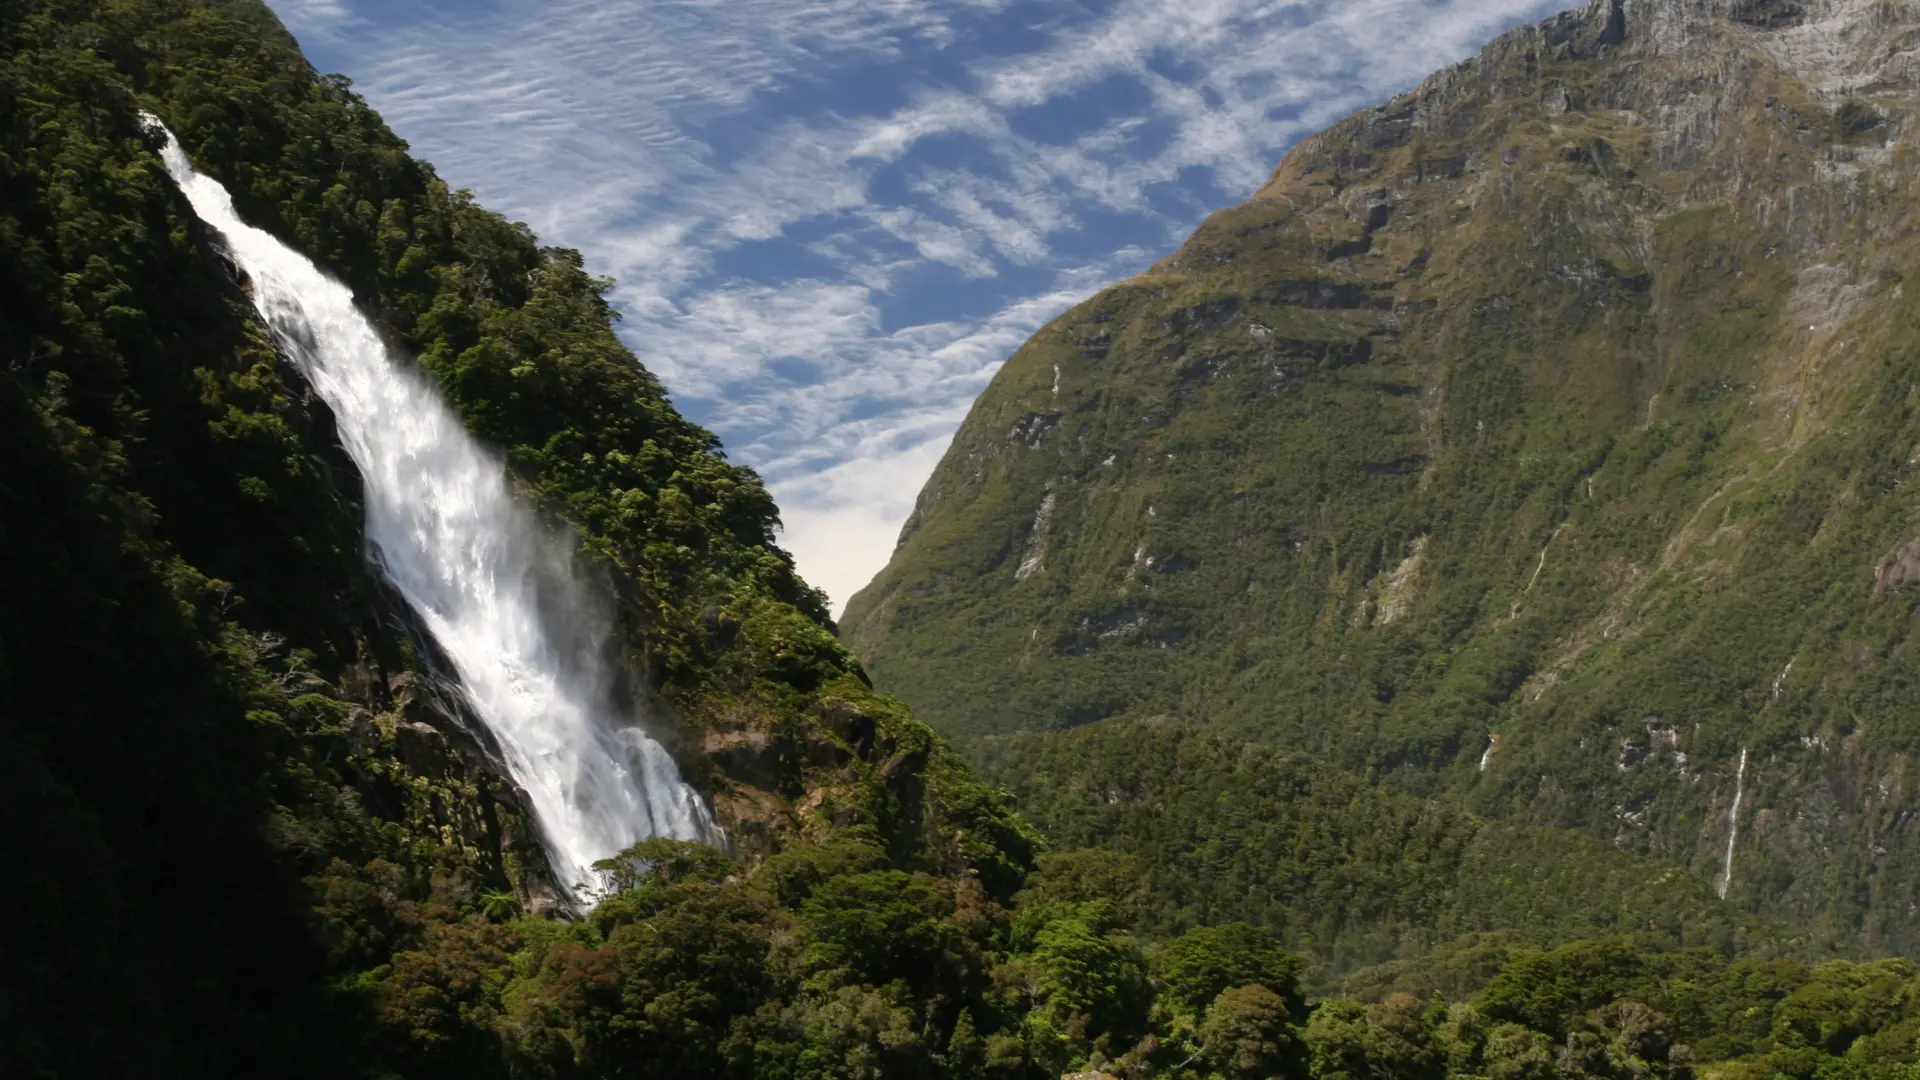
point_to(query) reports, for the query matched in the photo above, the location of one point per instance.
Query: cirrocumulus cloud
(831, 220)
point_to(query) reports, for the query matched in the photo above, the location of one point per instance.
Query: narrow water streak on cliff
(529, 643)
(1733, 822)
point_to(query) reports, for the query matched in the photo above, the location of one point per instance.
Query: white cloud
(311, 18)
(841, 521)
(936, 241)
(828, 226)
(1019, 237)
(938, 113)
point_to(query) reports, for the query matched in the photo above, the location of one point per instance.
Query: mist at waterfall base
(528, 642)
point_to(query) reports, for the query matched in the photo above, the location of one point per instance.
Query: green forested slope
(1540, 440)
(1214, 830)
(247, 832)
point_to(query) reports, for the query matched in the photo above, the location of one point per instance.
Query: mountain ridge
(1537, 438)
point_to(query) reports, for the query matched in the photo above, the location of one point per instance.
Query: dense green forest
(1215, 830)
(250, 832)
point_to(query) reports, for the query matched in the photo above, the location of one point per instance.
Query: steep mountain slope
(1542, 437)
(250, 830)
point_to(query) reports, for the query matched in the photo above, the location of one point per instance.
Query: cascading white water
(528, 642)
(1733, 822)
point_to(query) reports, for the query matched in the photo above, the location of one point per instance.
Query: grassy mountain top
(1538, 441)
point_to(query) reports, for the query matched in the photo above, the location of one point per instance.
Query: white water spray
(496, 590)
(1733, 822)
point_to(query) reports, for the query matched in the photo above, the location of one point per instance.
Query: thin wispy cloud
(314, 17)
(831, 221)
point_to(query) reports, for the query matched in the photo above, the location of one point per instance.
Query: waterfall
(1733, 822)
(529, 643)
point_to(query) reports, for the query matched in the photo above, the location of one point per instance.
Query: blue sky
(832, 220)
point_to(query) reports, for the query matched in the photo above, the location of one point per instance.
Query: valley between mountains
(1452, 618)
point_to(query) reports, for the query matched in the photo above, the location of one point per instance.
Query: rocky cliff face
(1544, 437)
